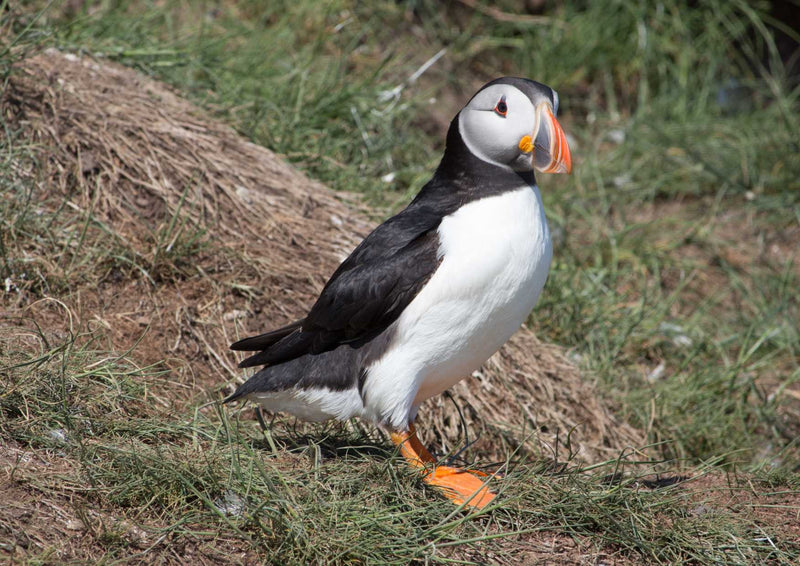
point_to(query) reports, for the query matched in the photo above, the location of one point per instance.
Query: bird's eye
(501, 107)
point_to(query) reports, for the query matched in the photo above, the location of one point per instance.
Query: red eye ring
(501, 107)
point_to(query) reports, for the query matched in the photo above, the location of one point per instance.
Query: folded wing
(364, 296)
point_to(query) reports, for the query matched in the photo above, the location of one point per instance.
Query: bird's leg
(459, 485)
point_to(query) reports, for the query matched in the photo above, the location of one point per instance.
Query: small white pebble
(235, 314)
(336, 221)
(389, 177)
(244, 194)
(230, 504)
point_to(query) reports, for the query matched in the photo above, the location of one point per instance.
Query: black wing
(365, 294)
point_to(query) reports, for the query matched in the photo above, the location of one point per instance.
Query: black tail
(287, 348)
(337, 369)
(264, 341)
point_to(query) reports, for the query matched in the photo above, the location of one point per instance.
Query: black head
(508, 125)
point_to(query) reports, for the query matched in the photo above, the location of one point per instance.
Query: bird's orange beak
(550, 149)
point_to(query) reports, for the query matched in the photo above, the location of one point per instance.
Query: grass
(674, 283)
(206, 478)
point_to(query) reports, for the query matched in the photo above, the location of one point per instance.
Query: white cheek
(490, 137)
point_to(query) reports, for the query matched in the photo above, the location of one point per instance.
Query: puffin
(429, 295)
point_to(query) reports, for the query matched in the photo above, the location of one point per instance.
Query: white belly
(495, 254)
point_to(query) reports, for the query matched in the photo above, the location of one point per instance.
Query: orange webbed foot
(460, 486)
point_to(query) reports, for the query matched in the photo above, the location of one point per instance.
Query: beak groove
(550, 148)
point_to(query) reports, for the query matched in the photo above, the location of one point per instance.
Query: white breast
(495, 255)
